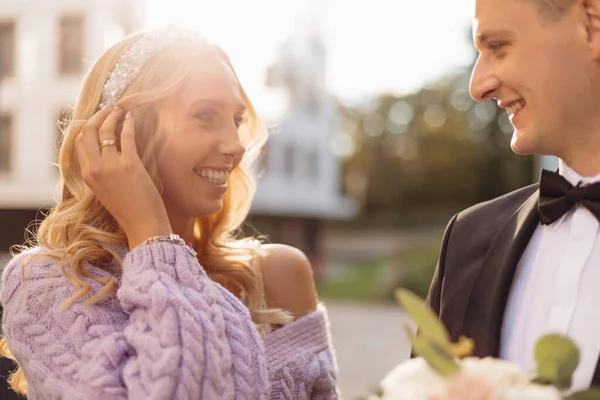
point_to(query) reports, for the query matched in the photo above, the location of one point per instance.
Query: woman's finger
(90, 136)
(107, 135)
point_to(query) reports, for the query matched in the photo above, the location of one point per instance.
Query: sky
(373, 46)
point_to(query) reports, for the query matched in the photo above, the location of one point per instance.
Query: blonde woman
(139, 286)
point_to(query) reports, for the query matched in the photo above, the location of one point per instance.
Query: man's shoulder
(501, 207)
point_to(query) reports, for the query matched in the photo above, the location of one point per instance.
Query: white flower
(500, 374)
(533, 392)
(412, 380)
(415, 380)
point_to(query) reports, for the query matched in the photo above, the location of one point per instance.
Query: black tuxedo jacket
(481, 249)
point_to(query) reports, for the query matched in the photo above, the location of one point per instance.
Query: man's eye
(496, 47)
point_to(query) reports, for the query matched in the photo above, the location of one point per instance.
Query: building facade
(47, 46)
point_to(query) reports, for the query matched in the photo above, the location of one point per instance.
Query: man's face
(537, 69)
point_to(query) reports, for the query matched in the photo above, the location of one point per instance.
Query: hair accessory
(131, 62)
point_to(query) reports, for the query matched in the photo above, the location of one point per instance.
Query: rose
(478, 379)
(413, 379)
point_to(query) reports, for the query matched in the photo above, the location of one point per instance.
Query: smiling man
(528, 263)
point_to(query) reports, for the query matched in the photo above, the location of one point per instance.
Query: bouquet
(444, 370)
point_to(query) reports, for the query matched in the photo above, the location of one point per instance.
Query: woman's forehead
(211, 77)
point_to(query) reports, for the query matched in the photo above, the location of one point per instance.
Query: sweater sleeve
(169, 333)
(301, 359)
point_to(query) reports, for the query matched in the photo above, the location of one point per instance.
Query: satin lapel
(485, 310)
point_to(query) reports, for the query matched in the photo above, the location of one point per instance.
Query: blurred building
(46, 47)
(300, 188)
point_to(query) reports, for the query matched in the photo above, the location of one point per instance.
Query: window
(7, 49)
(71, 41)
(5, 139)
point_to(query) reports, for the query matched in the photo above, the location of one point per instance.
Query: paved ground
(369, 341)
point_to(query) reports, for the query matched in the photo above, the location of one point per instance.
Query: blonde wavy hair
(78, 229)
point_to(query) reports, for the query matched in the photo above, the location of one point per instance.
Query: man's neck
(586, 167)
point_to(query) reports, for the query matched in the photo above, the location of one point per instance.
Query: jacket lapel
(489, 295)
(487, 302)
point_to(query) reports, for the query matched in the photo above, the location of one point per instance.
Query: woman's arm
(169, 333)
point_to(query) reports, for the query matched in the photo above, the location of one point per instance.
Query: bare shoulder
(288, 279)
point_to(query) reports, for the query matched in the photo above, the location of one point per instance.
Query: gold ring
(105, 143)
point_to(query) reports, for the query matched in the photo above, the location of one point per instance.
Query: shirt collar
(573, 177)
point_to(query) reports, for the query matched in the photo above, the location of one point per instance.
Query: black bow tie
(558, 196)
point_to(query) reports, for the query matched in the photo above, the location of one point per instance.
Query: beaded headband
(131, 62)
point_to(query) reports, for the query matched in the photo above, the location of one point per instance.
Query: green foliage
(362, 281)
(557, 357)
(358, 284)
(418, 265)
(432, 342)
(428, 321)
(590, 394)
(431, 150)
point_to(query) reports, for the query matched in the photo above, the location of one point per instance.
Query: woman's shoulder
(288, 279)
(36, 271)
(31, 259)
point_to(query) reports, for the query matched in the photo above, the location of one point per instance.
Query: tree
(423, 156)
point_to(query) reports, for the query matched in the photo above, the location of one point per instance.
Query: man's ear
(591, 9)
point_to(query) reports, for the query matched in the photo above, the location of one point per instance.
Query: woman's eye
(239, 120)
(205, 116)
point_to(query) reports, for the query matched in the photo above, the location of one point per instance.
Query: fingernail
(118, 108)
(128, 114)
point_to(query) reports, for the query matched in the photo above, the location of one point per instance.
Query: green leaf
(541, 381)
(409, 333)
(557, 357)
(427, 321)
(590, 394)
(436, 356)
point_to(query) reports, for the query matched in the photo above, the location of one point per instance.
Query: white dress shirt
(557, 290)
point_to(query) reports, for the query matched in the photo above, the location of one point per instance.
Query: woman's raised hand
(118, 178)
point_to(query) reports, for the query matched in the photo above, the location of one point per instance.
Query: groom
(528, 263)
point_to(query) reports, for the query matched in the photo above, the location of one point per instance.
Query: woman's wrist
(142, 234)
(171, 238)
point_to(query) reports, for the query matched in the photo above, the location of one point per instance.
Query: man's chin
(520, 145)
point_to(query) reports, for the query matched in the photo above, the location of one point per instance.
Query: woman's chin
(209, 208)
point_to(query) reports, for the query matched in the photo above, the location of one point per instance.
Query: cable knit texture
(301, 361)
(169, 332)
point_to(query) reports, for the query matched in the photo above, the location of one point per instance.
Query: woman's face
(199, 144)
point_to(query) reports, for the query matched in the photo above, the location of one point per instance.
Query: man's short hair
(552, 9)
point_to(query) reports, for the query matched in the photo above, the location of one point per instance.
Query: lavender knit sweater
(169, 332)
